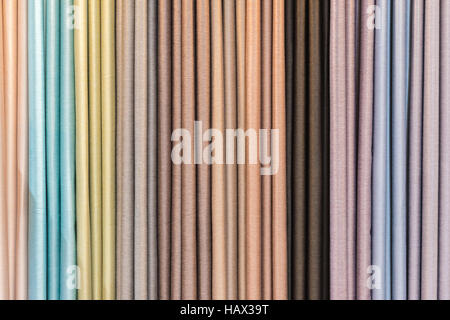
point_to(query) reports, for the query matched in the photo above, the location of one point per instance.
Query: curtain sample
(351, 110)
(37, 237)
(141, 151)
(125, 152)
(152, 150)
(415, 150)
(52, 143)
(95, 146)
(108, 98)
(10, 104)
(22, 153)
(219, 262)
(400, 53)
(4, 272)
(188, 183)
(338, 155)
(203, 80)
(240, 57)
(84, 255)
(364, 167)
(430, 161)
(253, 121)
(176, 232)
(279, 233)
(444, 221)
(230, 100)
(67, 158)
(164, 146)
(380, 149)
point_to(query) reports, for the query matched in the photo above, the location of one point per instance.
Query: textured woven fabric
(430, 162)
(415, 150)
(444, 170)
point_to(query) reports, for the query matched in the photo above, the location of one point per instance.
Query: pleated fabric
(141, 151)
(380, 192)
(430, 161)
(68, 271)
(241, 187)
(400, 53)
(4, 268)
(266, 124)
(125, 150)
(152, 190)
(299, 157)
(95, 146)
(37, 237)
(364, 168)
(108, 120)
(444, 221)
(253, 121)
(338, 153)
(351, 141)
(84, 255)
(230, 100)
(218, 192)
(188, 183)
(22, 152)
(176, 210)
(10, 10)
(415, 150)
(203, 114)
(279, 233)
(164, 146)
(52, 143)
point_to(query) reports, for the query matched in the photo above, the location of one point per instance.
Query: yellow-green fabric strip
(108, 147)
(82, 150)
(95, 146)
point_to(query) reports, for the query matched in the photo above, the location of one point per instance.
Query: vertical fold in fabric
(229, 38)
(364, 173)
(240, 49)
(37, 237)
(314, 150)
(152, 150)
(279, 232)
(82, 151)
(338, 153)
(52, 144)
(289, 43)
(176, 241)
(253, 122)
(10, 15)
(22, 153)
(399, 147)
(164, 145)
(299, 155)
(415, 150)
(350, 129)
(380, 151)
(188, 183)
(219, 262)
(108, 98)
(444, 196)
(266, 125)
(4, 272)
(430, 162)
(125, 154)
(203, 65)
(95, 145)
(67, 158)
(140, 141)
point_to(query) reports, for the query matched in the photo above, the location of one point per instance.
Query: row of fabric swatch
(222, 149)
